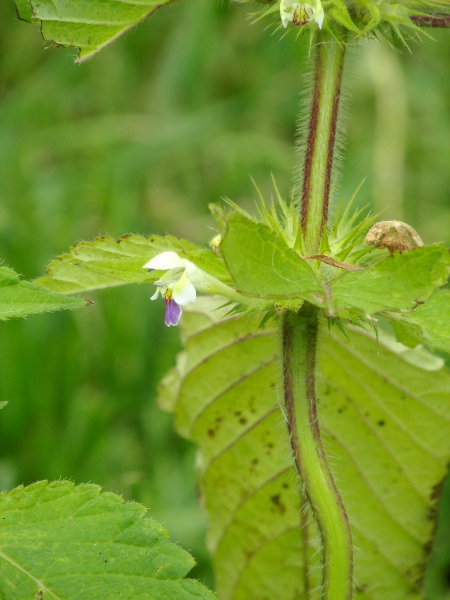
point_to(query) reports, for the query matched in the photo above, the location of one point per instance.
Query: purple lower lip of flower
(173, 312)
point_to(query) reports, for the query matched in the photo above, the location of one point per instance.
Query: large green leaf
(19, 298)
(399, 282)
(88, 25)
(263, 266)
(107, 262)
(62, 541)
(386, 427)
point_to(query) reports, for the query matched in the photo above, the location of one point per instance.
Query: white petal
(190, 267)
(319, 15)
(166, 261)
(286, 12)
(183, 292)
(156, 294)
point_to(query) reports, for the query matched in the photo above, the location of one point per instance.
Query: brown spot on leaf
(276, 501)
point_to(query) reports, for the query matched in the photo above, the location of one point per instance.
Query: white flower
(175, 286)
(301, 14)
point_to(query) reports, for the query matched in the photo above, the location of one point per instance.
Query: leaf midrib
(28, 574)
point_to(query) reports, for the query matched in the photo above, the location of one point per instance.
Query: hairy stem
(320, 146)
(433, 20)
(299, 339)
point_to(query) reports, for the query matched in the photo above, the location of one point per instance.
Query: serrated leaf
(58, 540)
(263, 266)
(88, 25)
(25, 12)
(386, 428)
(430, 322)
(19, 298)
(108, 262)
(399, 282)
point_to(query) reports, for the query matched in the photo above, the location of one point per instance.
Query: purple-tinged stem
(299, 342)
(436, 20)
(319, 153)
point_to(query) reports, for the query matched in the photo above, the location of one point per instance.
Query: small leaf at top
(263, 266)
(88, 25)
(58, 540)
(20, 298)
(399, 282)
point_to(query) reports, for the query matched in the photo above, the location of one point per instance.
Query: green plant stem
(299, 340)
(318, 158)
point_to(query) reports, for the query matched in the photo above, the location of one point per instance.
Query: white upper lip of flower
(301, 14)
(176, 278)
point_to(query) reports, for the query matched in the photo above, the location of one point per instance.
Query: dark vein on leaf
(244, 499)
(227, 346)
(379, 551)
(383, 375)
(373, 490)
(253, 556)
(236, 383)
(373, 431)
(196, 366)
(242, 434)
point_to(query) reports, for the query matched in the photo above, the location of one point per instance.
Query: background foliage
(177, 114)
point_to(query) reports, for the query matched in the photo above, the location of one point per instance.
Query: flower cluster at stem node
(301, 14)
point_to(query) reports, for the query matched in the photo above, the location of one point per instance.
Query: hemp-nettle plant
(307, 380)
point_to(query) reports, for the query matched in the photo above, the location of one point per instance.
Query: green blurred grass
(179, 113)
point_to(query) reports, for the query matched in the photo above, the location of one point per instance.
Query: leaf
(20, 298)
(25, 12)
(340, 14)
(58, 540)
(88, 25)
(399, 282)
(263, 266)
(386, 428)
(108, 262)
(430, 322)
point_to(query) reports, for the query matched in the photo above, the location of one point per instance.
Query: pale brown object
(396, 236)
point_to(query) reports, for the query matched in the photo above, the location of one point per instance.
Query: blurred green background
(180, 112)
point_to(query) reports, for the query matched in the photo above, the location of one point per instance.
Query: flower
(301, 14)
(174, 286)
